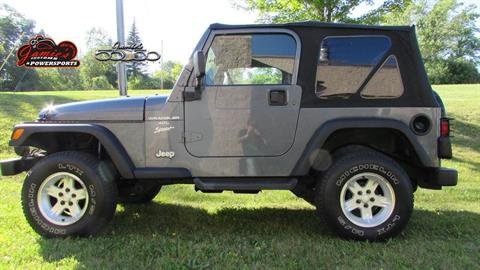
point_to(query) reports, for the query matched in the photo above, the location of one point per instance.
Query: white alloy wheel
(367, 199)
(62, 198)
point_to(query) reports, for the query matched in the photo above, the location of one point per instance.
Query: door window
(251, 59)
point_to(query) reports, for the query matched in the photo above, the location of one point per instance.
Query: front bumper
(16, 165)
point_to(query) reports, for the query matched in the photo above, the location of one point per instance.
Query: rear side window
(386, 82)
(345, 62)
(251, 59)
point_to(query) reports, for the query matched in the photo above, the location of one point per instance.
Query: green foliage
(97, 38)
(448, 39)
(97, 74)
(171, 71)
(57, 79)
(446, 29)
(376, 16)
(135, 68)
(15, 30)
(280, 11)
(452, 71)
(92, 74)
(100, 83)
(135, 82)
(30, 80)
(90, 68)
(267, 76)
(167, 79)
(174, 70)
(461, 71)
(255, 76)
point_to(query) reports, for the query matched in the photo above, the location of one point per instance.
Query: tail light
(445, 127)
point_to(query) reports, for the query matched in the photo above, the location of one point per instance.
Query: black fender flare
(323, 132)
(114, 148)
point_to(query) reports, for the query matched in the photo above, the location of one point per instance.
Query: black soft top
(418, 92)
(312, 24)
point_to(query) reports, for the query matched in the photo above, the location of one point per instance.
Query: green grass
(183, 229)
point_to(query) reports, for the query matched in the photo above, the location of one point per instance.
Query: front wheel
(69, 193)
(365, 196)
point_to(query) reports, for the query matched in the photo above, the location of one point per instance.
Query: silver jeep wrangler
(341, 115)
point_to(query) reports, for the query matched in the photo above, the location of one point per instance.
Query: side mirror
(199, 64)
(195, 93)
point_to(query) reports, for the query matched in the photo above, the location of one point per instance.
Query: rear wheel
(69, 193)
(365, 196)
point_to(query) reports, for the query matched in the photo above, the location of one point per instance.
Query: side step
(244, 184)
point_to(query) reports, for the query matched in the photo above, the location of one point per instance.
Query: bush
(135, 82)
(462, 71)
(452, 71)
(100, 82)
(144, 82)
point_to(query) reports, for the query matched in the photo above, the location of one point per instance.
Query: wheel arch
(323, 136)
(35, 134)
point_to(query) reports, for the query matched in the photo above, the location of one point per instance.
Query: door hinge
(191, 94)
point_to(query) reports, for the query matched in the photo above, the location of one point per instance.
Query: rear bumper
(436, 178)
(445, 177)
(16, 165)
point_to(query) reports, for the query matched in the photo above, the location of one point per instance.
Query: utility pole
(11, 51)
(161, 66)
(122, 74)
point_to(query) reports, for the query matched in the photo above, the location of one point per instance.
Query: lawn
(184, 229)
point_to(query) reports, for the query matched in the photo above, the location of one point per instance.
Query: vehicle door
(249, 101)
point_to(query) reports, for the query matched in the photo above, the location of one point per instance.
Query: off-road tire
(99, 185)
(329, 189)
(138, 193)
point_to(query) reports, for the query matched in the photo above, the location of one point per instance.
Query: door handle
(277, 97)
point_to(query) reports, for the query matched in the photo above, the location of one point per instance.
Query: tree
(58, 79)
(97, 74)
(15, 30)
(169, 74)
(173, 68)
(447, 37)
(452, 71)
(281, 11)
(135, 68)
(97, 38)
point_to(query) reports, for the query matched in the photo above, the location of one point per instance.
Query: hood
(116, 109)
